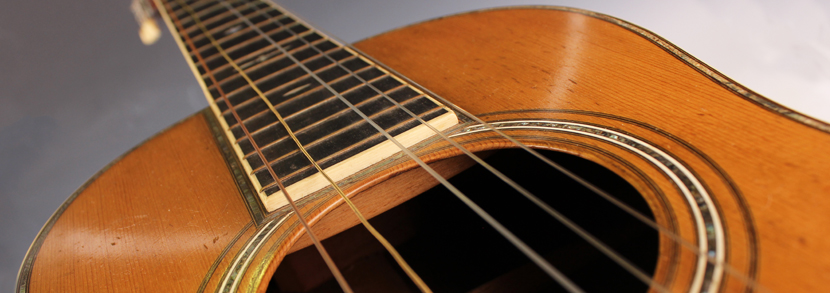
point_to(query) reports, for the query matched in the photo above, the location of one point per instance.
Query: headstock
(145, 14)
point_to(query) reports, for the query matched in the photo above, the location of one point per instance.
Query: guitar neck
(290, 97)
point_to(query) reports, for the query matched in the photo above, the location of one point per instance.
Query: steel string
(324, 254)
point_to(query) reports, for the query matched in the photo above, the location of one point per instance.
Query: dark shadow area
(454, 250)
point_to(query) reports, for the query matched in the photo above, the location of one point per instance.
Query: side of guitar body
(170, 216)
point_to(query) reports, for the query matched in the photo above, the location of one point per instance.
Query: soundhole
(454, 250)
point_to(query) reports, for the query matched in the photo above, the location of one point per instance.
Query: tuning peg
(149, 32)
(148, 29)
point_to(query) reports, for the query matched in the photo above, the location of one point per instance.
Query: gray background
(78, 88)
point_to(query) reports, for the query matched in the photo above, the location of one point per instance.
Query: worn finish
(765, 170)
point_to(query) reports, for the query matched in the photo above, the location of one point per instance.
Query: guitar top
(517, 149)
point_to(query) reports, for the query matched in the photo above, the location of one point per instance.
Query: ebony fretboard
(305, 75)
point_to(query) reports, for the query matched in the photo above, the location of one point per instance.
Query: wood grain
(551, 59)
(160, 217)
(154, 221)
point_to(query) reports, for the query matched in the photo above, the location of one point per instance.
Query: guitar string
(605, 249)
(638, 273)
(627, 265)
(524, 248)
(602, 247)
(324, 254)
(752, 282)
(398, 258)
(589, 238)
(506, 233)
(728, 268)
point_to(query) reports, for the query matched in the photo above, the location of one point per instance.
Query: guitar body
(172, 214)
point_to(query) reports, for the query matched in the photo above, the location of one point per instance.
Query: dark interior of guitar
(454, 250)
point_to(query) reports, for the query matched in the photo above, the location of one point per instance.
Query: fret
(308, 111)
(246, 61)
(205, 7)
(309, 103)
(370, 74)
(304, 75)
(221, 15)
(336, 116)
(227, 41)
(273, 66)
(248, 47)
(273, 86)
(316, 64)
(264, 111)
(309, 127)
(275, 82)
(206, 16)
(234, 41)
(200, 39)
(210, 12)
(196, 5)
(355, 64)
(307, 171)
(246, 42)
(393, 120)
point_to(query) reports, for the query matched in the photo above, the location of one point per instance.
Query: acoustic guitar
(527, 149)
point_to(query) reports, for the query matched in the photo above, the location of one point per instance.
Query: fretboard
(305, 76)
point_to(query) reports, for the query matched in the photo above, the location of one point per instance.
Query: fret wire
(328, 100)
(292, 115)
(209, 7)
(241, 42)
(368, 226)
(269, 77)
(188, 24)
(237, 78)
(287, 40)
(199, 37)
(271, 91)
(324, 160)
(292, 65)
(223, 40)
(266, 110)
(354, 149)
(269, 62)
(226, 65)
(251, 59)
(301, 111)
(564, 281)
(322, 251)
(317, 141)
(255, 57)
(300, 132)
(200, 8)
(231, 30)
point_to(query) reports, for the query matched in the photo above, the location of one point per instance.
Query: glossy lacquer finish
(169, 215)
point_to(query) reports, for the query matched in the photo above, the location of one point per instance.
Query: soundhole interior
(454, 250)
